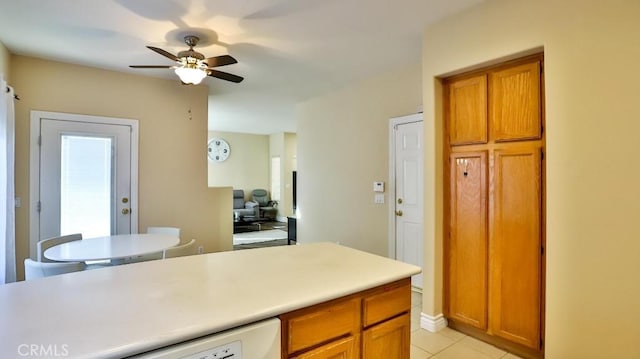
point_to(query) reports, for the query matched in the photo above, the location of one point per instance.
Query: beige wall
(342, 142)
(290, 164)
(172, 162)
(592, 50)
(5, 59)
(283, 145)
(247, 167)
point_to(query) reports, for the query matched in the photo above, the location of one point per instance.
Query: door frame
(34, 165)
(393, 122)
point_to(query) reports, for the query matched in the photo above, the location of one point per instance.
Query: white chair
(45, 244)
(187, 249)
(34, 269)
(172, 231)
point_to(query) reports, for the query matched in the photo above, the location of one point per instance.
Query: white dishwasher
(259, 340)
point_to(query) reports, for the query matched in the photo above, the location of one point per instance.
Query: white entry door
(409, 175)
(85, 176)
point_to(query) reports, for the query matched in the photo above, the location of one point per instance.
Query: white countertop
(128, 309)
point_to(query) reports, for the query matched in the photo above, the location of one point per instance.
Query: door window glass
(86, 185)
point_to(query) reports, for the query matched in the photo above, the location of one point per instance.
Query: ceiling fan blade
(164, 53)
(150, 66)
(220, 61)
(225, 76)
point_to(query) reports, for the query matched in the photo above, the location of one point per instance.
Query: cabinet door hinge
(542, 250)
(39, 140)
(541, 343)
(39, 206)
(542, 155)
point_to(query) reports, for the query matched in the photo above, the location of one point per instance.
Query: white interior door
(85, 176)
(409, 176)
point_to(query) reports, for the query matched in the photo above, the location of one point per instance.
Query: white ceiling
(288, 50)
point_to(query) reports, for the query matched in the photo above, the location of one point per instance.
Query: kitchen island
(125, 310)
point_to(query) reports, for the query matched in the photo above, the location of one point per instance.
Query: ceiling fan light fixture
(191, 66)
(190, 75)
(191, 72)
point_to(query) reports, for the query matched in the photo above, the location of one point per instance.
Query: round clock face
(218, 149)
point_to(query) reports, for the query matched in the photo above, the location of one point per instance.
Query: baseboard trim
(432, 323)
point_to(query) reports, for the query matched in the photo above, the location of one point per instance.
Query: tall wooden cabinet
(494, 259)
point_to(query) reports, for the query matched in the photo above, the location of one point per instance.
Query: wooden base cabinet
(390, 339)
(371, 324)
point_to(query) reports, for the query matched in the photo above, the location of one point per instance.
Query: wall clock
(218, 150)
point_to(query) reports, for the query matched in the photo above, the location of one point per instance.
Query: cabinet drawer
(345, 348)
(387, 303)
(324, 323)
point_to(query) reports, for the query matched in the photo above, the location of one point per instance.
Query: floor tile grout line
(461, 338)
(445, 348)
(423, 349)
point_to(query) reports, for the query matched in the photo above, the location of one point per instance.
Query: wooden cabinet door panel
(390, 339)
(467, 261)
(468, 111)
(345, 348)
(515, 110)
(515, 246)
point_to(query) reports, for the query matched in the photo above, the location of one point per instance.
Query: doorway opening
(406, 178)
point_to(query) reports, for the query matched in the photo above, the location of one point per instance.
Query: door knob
(399, 213)
(125, 211)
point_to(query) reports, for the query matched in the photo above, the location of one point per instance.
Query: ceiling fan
(192, 66)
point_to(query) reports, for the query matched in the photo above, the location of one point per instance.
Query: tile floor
(447, 343)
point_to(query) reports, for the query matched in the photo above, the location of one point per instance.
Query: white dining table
(111, 247)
